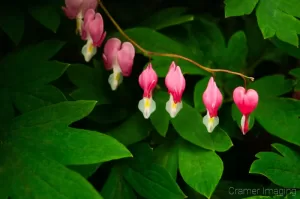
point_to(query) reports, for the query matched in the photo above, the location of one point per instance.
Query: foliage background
(54, 105)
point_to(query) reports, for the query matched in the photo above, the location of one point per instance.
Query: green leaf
(295, 72)
(234, 57)
(166, 155)
(188, 123)
(201, 169)
(66, 145)
(13, 22)
(238, 8)
(116, 187)
(91, 83)
(287, 48)
(255, 41)
(198, 92)
(86, 170)
(167, 17)
(205, 36)
(259, 197)
(37, 144)
(47, 15)
(158, 42)
(273, 85)
(28, 89)
(37, 97)
(280, 117)
(160, 117)
(36, 176)
(286, 170)
(133, 130)
(276, 17)
(148, 179)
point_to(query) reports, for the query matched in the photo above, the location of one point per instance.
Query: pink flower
(75, 9)
(93, 33)
(147, 80)
(246, 101)
(175, 83)
(119, 58)
(212, 99)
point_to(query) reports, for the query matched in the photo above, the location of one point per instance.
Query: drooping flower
(93, 32)
(76, 9)
(175, 84)
(212, 99)
(246, 101)
(119, 58)
(147, 80)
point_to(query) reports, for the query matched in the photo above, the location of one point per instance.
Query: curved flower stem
(149, 53)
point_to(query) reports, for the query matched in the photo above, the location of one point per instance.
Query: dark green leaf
(37, 143)
(158, 42)
(47, 15)
(285, 171)
(201, 169)
(85, 170)
(116, 187)
(295, 72)
(68, 146)
(153, 182)
(37, 97)
(133, 130)
(167, 17)
(91, 83)
(188, 123)
(255, 40)
(166, 155)
(160, 117)
(28, 88)
(274, 85)
(278, 18)
(35, 176)
(205, 36)
(198, 92)
(285, 113)
(234, 57)
(7, 110)
(13, 22)
(288, 48)
(149, 179)
(238, 8)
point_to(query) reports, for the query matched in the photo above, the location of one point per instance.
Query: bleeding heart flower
(212, 99)
(246, 101)
(147, 80)
(75, 9)
(93, 33)
(175, 83)
(119, 58)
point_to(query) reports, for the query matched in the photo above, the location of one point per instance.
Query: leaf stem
(149, 53)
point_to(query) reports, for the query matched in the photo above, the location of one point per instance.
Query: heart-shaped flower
(118, 57)
(246, 101)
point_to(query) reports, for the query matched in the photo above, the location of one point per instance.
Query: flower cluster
(175, 84)
(119, 57)
(245, 100)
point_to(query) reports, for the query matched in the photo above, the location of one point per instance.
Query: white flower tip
(147, 106)
(244, 124)
(114, 80)
(173, 108)
(210, 122)
(88, 51)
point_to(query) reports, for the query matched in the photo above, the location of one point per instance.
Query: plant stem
(149, 53)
